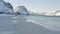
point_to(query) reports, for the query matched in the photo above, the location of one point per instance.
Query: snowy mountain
(53, 13)
(33, 13)
(9, 5)
(21, 10)
(5, 7)
(57, 13)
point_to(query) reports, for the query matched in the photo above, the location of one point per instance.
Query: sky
(37, 5)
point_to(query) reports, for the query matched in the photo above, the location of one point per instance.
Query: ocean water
(29, 25)
(51, 23)
(9, 24)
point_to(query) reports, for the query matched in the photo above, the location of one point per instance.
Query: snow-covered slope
(57, 13)
(5, 8)
(9, 5)
(53, 13)
(21, 10)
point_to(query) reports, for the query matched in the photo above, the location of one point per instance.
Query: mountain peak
(5, 7)
(22, 10)
(21, 6)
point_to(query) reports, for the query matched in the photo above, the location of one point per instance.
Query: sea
(25, 24)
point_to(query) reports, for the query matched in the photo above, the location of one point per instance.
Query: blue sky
(37, 5)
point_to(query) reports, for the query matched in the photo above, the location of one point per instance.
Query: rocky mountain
(5, 7)
(21, 10)
(9, 5)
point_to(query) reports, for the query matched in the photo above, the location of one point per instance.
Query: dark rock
(9, 5)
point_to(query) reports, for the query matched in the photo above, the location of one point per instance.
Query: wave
(45, 25)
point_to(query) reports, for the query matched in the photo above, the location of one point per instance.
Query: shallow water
(51, 23)
(29, 25)
(8, 24)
